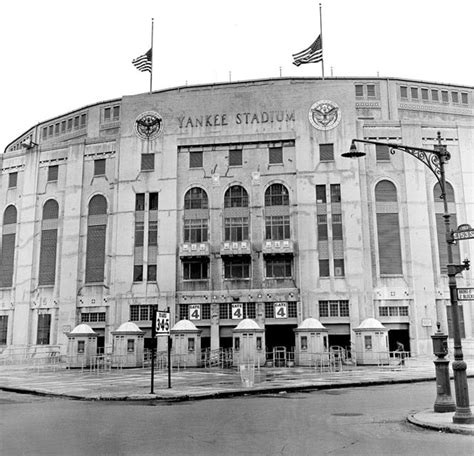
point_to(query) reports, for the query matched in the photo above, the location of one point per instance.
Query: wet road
(356, 421)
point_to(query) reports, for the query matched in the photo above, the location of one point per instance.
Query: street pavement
(193, 384)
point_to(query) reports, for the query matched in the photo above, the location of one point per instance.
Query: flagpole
(321, 34)
(151, 71)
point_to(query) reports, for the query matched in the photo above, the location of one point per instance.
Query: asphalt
(195, 384)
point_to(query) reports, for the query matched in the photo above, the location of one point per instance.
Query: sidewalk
(193, 384)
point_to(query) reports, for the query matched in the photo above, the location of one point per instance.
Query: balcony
(235, 248)
(278, 247)
(194, 249)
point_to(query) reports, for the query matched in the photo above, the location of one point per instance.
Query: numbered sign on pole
(237, 311)
(162, 323)
(281, 310)
(195, 312)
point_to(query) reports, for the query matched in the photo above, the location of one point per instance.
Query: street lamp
(435, 160)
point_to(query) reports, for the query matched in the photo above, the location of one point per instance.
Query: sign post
(163, 329)
(153, 343)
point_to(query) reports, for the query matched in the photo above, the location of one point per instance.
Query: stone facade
(303, 239)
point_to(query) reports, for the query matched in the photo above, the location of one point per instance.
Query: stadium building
(231, 201)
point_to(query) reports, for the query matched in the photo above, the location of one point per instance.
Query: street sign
(466, 294)
(237, 311)
(195, 311)
(281, 310)
(464, 231)
(162, 323)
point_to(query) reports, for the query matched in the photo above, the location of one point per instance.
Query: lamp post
(435, 160)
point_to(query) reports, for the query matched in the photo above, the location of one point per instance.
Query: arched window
(196, 215)
(277, 212)
(196, 198)
(441, 228)
(7, 258)
(96, 232)
(236, 214)
(388, 228)
(49, 239)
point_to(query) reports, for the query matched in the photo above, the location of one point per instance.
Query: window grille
(53, 173)
(99, 167)
(195, 159)
(275, 155)
(148, 162)
(326, 152)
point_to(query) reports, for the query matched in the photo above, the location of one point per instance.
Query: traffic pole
(169, 356)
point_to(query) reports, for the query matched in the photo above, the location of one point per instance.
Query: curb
(452, 429)
(219, 394)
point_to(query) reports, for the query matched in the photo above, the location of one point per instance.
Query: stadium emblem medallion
(325, 115)
(148, 125)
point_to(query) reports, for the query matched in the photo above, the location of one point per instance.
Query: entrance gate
(279, 356)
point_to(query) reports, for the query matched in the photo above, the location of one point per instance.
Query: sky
(60, 55)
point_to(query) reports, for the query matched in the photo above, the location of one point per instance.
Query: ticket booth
(248, 343)
(186, 349)
(127, 346)
(311, 339)
(82, 346)
(371, 343)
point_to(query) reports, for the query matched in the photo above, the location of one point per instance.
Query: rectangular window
(69, 124)
(424, 94)
(44, 328)
(83, 120)
(343, 308)
(388, 232)
(382, 153)
(278, 267)
(56, 129)
(87, 317)
(107, 114)
(153, 203)
(444, 96)
(383, 311)
(53, 173)
(116, 113)
(414, 93)
(322, 227)
(323, 309)
(195, 159)
(277, 227)
(45, 132)
(434, 95)
(139, 233)
(3, 329)
(12, 180)
(63, 127)
(368, 342)
(403, 311)
(335, 193)
(99, 167)
(205, 311)
(191, 345)
(138, 273)
(323, 268)
(235, 157)
(292, 312)
(333, 308)
(370, 90)
(275, 155)
(455, 97)
(151, 273)
(393, 311)
(195, 269)
(321, 194)
(403, 92)
(134, 313)
(95, 256)
(195, 230)
(81, 345)
(47, 264)
(236, 229)
(337, 226)
(339, 267)
(359, 90)
(304, 342)
(464, 98)
(225, 311)
(148, 162)
(140, 202)
(326, 152)
(51, 130)
(130, 345)
(236, 268)
(152, 233)
(76, 122)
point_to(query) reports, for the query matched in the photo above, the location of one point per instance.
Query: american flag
(143, 62)
(312, 54)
